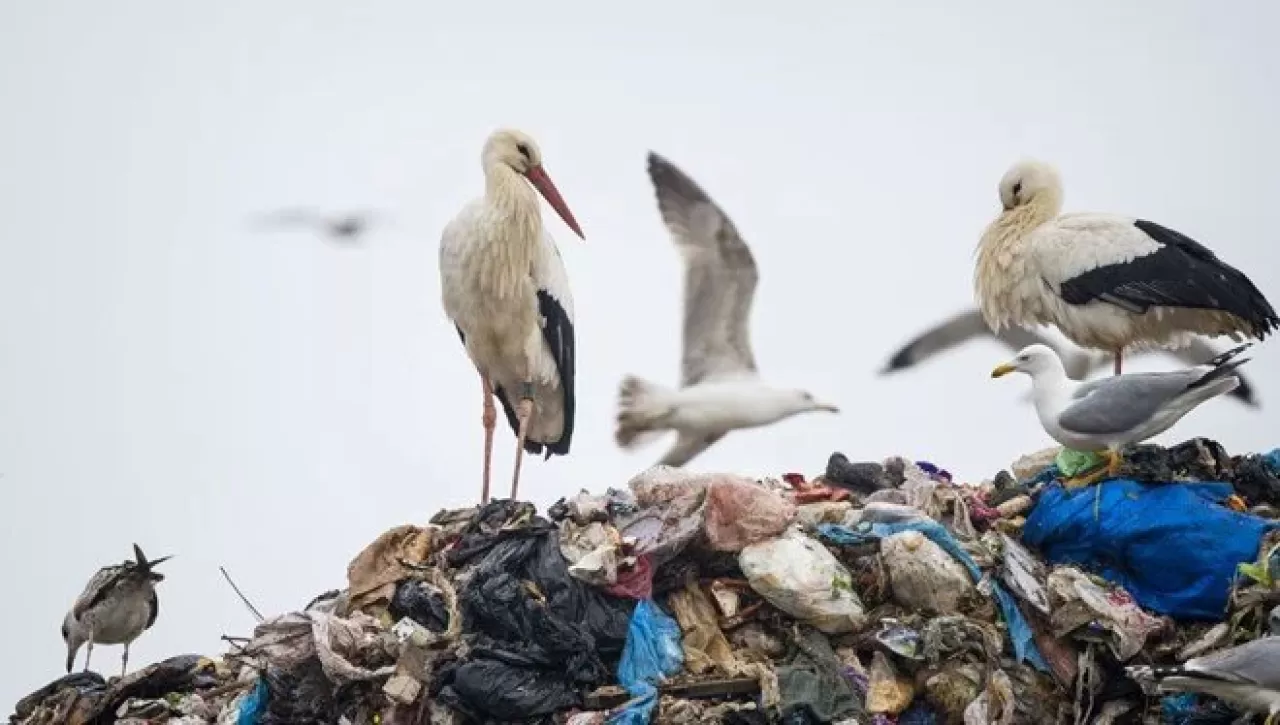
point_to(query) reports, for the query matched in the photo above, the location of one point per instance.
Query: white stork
(1107, 282)
(506, 291)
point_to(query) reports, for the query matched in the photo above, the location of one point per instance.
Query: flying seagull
(1079, 363)
(1107, 414)
(1246, 676)
(720, 390)
(344, 228)
(117, 605)
(1107, 282)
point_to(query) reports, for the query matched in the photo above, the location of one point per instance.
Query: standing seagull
(117, 605)
(720, 390)
(1079, 363)
(1106, 281)
(506, 291)
(1105, 415)
(1246, 676)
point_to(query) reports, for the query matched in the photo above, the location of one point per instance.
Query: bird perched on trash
(1246, 676)
(1079, 363)
(720, 390)
(1103, 415)
(117, 605)
(506, 291)
(343, 228)
(1107, 282)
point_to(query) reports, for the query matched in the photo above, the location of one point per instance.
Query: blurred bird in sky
(346, 228)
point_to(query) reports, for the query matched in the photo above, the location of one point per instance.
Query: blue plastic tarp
(1172, 546)
(653, 652)
(1024, 646)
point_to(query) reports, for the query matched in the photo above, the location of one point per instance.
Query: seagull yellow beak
(1002, 370)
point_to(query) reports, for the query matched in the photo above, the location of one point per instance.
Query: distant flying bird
(506, 291)
(1107, 282)
(1246, 676)
(720, 390)
(1079, 363)
(117, 605)
(343, 228)
(1104, 415)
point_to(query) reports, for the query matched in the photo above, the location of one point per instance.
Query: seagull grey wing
(719, 282)
(1199, 351)
(1256, 662)
(99, 586)
(687, 447)
(954, 331)
(1120, 403)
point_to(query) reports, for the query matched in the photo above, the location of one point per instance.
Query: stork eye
(1017, 188)
(524, 151)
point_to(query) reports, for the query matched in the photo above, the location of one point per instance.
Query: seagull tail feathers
(641, 407)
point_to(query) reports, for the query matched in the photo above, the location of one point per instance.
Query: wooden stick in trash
(243, 598)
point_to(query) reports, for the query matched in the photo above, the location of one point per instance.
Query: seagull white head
(1027, 181)
(1032, 360)
(803, 402)
(517, 151)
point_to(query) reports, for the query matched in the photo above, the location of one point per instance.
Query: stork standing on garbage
(506, 291)
(117, 605)
(1107, 282)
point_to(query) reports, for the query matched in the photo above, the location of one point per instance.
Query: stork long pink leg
(489, 419)
(524, 411)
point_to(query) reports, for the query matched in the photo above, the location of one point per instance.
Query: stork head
(517, 151)
(1029, 180)
(1032, 360)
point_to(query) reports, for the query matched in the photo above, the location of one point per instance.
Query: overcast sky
(271, 402)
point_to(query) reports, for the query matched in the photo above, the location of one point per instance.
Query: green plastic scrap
(1260, 571)
(1074, 463)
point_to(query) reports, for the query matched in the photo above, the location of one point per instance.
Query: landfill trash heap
(873, 593)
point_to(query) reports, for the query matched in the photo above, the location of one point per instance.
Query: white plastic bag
(800, 577)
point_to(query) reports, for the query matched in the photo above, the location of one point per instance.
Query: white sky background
(271, 402)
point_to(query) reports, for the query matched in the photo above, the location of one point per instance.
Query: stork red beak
(538, 177)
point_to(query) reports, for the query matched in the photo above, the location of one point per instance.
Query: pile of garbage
(873, 593)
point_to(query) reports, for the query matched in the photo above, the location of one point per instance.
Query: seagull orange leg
(489, 419)
(524, 411)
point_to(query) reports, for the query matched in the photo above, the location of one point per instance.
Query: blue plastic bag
(254, 704)
(1172, 546)
(653, 652)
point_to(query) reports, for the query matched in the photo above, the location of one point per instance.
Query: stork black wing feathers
(558, 334)
(1181, 273)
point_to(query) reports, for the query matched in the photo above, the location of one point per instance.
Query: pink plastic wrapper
(741, 512)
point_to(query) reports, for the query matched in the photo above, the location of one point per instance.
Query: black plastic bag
(539, 637)
(303, 696)
(420, 602)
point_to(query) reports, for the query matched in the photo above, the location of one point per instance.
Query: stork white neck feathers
(1031, 194)
(512, 236)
